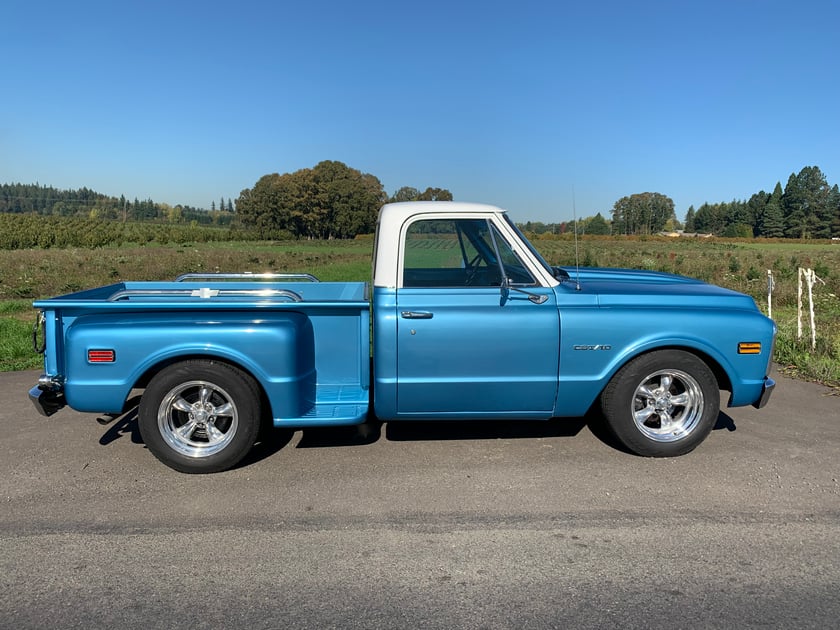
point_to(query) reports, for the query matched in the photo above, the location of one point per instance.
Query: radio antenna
(577, 255)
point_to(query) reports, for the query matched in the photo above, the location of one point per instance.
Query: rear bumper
(766, 390)
(48, 395)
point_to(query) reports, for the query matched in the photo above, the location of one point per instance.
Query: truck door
(466, 347)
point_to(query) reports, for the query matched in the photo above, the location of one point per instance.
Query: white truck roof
(402, 211)
(394, 219)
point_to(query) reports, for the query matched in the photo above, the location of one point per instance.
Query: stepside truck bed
(307, 344)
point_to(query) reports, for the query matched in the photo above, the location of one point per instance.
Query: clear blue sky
(527, 105)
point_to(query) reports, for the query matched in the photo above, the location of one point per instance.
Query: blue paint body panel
(605, 326)
(476, 359)
(479, 358)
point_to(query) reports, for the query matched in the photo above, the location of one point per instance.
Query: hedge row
(33, 231)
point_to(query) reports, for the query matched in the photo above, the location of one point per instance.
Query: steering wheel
(472, 269)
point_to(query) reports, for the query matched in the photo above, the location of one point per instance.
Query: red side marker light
(101, 356)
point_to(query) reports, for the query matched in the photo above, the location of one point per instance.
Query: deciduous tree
(407, 193)
(643, 213)
(330, 200)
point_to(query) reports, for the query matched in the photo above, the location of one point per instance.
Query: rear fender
(277, 349)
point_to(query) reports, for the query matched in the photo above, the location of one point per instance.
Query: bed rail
(205, 293)
(307, 277)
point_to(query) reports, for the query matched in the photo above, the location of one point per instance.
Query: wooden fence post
(770, 286)
(811, 279)
(799, 303)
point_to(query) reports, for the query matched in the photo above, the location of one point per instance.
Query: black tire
(200, 416)
(662, 404)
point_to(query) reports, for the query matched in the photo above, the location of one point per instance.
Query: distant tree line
(807, 207)
(330, 200)
(86, 203)
(641, 213)
(28, 231)
(333, 200)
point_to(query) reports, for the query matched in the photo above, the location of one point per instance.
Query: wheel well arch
(713, 364)
(145, 378)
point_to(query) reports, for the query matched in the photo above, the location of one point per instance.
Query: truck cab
(464, 309)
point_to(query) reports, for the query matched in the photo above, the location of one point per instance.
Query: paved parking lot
(535, 525)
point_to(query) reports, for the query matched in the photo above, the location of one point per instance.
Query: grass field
(740, 265)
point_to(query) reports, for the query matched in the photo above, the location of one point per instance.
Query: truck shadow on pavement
(407, 431)
(373, 430)
(512, 429)
(121, 425)
(484, 430)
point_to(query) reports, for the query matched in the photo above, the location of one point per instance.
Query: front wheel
(662, 404)
(200, 416)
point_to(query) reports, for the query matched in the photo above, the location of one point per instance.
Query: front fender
(597, 343)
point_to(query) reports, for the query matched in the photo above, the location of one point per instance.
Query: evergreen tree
(689, 220)
(709, 219)
(772, 219)
(597, 225)
(829, 214)
(806, 204)
(834, 211)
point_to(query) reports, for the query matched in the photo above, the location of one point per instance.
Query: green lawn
(16, 320)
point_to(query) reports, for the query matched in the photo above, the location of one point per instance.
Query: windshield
(527, 243)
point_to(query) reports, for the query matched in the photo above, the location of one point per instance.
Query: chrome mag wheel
(668, 405)
(198, 419)
(662, 404)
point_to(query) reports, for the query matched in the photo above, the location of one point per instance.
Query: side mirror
(507, 287)
(504, 289)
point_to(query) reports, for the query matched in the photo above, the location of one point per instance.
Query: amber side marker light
(749, 347)
(101, 356)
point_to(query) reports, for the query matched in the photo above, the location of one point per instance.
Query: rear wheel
(662, 404)
(200, 416)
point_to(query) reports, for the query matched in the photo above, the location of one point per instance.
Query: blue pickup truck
(469, 322)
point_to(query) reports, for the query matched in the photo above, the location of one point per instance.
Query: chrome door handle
(417, 315)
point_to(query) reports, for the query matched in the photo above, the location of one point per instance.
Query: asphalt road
(536, 525)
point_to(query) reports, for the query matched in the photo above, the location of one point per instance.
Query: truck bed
(306, 343)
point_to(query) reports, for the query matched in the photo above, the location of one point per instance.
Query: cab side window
(457, 253)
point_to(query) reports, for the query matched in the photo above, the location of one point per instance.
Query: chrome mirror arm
(536, 298)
